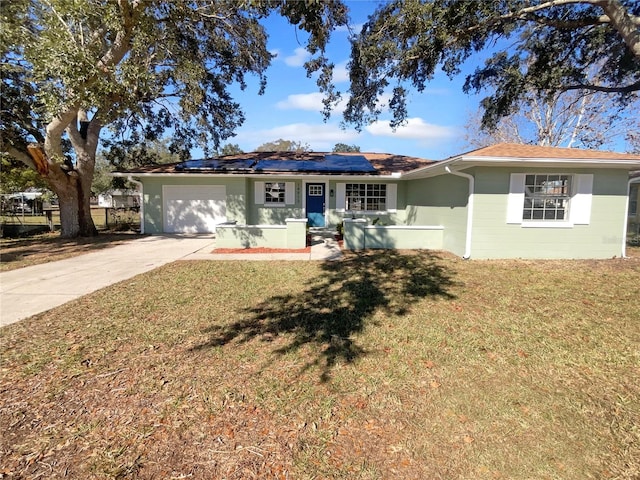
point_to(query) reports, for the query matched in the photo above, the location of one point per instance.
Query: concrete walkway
(32, 290)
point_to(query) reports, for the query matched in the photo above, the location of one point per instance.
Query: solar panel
(319, 164)
(326, 164)
(214, 164)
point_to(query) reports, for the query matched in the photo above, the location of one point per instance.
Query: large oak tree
(544, 46)
(70, 69)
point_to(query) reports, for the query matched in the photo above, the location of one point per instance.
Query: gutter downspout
(467, 243)
(626, 217)
(130, 178)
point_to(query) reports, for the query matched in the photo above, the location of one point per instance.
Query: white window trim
(579, 204)
(289, 194)
(391, 198)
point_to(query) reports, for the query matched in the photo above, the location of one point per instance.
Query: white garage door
(193, 209)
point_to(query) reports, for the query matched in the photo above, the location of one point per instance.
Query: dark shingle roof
(383, 163)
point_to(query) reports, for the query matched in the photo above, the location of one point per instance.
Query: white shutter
(515, 200)
(580, 205)
(290, 193)
(392, 197)
(341, 194)
(259, 192)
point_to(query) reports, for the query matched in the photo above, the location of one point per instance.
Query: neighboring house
(503, 201)
(22, 202)
(123, 199)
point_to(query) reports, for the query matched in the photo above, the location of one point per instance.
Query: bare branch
(61, 20)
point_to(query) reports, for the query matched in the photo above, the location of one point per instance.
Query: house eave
(284, 175)
(465, 162)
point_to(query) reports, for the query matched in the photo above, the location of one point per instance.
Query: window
(316, 191)
(633, 200)
(550, 200)
(546, 197)
(363, 197)
(274, 192)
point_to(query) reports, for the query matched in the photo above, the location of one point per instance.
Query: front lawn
(385, 365)
(49, 247)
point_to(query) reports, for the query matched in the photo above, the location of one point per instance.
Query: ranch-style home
(501, 201)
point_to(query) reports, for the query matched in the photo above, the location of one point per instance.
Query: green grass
(384, 365)
(16, 253)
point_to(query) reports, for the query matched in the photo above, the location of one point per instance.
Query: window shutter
(290, 193)
(581, 201)
(515, 200)
(341, 193)
(259, 191)
(392, 197)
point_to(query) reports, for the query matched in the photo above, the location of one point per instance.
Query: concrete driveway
(31, 290)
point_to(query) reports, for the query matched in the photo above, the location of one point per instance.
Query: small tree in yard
(138, 67)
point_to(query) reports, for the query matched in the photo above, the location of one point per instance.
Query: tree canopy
(282, 145)
(547, 46)
(344, 148)
(139, 67)
(230, 149)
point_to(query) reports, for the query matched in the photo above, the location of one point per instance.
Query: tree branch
(61, 20)
(615, 14)
(55, 128)
(19, 155)
(634, 87)
(624, 23)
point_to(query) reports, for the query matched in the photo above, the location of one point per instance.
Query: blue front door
(315, 204)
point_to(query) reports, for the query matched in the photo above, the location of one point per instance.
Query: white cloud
(276, 53)
(340, 73)
(299, 57)
(309, 102)
(302, 101)
(414, 129)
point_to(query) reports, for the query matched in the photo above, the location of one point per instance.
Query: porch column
(354, 233)
(296, 232)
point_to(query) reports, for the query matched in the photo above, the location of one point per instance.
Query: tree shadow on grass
(340, 303)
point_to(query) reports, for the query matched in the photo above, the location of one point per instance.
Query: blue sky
(291, 106)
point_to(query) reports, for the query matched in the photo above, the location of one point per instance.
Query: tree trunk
(75, 206)
(72, 181)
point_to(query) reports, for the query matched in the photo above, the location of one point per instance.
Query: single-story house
(501, 201)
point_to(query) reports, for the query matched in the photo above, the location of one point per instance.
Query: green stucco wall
(292, 235)
(442, 201)
(494, 238)
(273, 215)
(236, 189)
